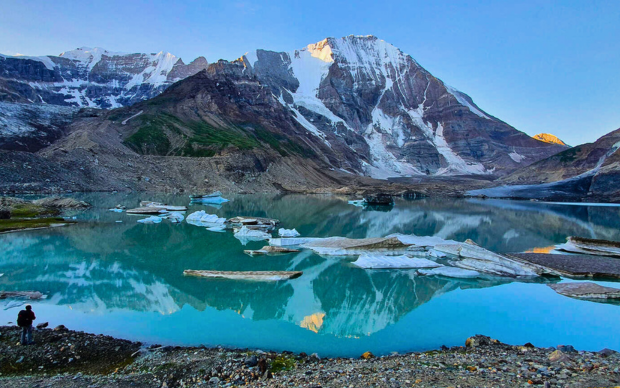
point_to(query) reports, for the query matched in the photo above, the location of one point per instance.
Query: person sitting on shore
(24, 320)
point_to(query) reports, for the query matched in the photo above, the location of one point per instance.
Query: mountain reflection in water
(101, 267)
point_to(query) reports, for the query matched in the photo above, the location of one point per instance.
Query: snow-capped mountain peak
(395, 115)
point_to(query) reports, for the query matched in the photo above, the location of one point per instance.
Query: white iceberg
(246, 235)
(450, 272)
(150, 220)
(288, 232)
(474, 257)
(388, 262)
(201, 218)
(214, 198)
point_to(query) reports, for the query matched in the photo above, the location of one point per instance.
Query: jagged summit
(549, 138)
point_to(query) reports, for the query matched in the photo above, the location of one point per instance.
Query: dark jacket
(25, 318)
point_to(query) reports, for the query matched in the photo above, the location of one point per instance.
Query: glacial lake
(126, 279)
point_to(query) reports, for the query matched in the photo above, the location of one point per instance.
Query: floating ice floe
(288, 232)
(214, 198)
(201, 218)
(590, 246)
(246, 235)
(256, 223)
(147, 210)
(291, 241)
(115, 210)
(342, 246)
(357, 202)
(175, 217)
(387, 262)
(160, 205)
(450, 272)
(268, 276)
(150, 220)
(270, 250)
(476, 258)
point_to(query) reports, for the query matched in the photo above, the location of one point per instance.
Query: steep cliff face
(395, 114)
(91, 77)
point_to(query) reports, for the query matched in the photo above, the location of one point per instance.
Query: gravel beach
(65, 358)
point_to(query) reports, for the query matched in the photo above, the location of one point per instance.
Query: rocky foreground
(64, 358)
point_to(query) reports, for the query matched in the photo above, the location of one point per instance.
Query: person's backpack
(23, 319)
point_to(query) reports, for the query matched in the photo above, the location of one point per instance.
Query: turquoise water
(126, 279)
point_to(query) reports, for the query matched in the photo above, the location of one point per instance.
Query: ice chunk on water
(288, 232)
(246, 235)
(201, 218)
(150, 220)
(175, 217)
(385, 262)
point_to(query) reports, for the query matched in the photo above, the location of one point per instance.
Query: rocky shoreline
(65, 358)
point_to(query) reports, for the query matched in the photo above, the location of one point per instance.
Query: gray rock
(251, 361)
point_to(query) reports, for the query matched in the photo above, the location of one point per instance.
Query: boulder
(251, 361)
(367, 355)
(477, 341)
(558, 356)
(607, 352)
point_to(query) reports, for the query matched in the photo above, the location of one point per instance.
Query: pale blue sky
(541, 66)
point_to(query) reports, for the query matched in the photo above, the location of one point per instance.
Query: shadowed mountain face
(586, 172)
(355, 105)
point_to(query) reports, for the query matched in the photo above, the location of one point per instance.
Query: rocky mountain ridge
(91, 77)
(588, 172)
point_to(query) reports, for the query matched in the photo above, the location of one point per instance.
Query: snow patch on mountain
(47, 61)
(460, 97)
(87, 56)
(516, 157)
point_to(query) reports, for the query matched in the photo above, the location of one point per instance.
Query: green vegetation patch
(29, 210)
(206, 135)
(18, 224)
(282, 362)
(202, 139)
(151, 138)
(569, 155)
